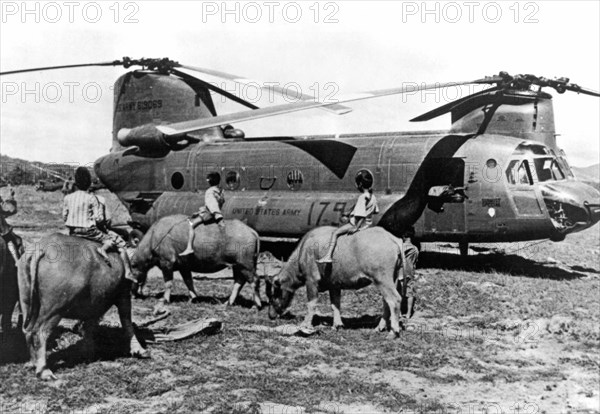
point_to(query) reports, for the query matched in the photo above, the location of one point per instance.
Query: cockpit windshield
(547, 169)
(518, 173)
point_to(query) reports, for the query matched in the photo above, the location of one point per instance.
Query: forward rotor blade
(335, 108)
(81, 65)
(576, 88)
(50, 172)
(181, 128)
(444, 109)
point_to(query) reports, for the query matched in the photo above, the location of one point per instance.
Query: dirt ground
(513, 328)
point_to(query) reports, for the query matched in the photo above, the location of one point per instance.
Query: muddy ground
(515, 328)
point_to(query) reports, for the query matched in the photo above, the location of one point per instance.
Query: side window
(232, 180)
(524, 174)
(556, 172)
(294, 180)
(518, 172)
(177, 180)
(511, 172)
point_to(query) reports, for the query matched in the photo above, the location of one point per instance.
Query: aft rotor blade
(81, 65)
(335, 108)
(214, 88)
(444, 109)
(182, 128)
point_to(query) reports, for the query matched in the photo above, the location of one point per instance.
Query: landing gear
(463, 247)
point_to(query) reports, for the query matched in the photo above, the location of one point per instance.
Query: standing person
(82, 212)
(8, 207)
(213, 202)
(406, 284)
(360, 218)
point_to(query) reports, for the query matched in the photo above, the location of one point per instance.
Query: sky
(332, 48)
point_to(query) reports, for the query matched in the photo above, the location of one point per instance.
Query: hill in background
(19, 171)
(589, 175)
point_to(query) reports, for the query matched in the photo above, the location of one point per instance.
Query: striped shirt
(81, 209)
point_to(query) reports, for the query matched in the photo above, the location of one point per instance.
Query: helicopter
(57, 182)
(497, 175)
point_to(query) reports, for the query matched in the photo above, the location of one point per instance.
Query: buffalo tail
(34, 303)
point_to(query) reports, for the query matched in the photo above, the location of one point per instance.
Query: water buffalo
(9, 291)
(9, 294)
(215, 248)
(369, 256)
(65, 277)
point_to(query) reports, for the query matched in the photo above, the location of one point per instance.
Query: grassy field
(514, 328)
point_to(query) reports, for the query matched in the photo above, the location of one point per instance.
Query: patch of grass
(470, 317)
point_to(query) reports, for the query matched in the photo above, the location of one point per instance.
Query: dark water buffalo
(65, 277)
(369, 256)
(9, 291)
(237, 245)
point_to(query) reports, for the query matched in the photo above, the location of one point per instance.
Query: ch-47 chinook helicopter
(496, 176)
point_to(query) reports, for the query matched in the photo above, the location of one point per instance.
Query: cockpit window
(566, 166)
(547, 169)
(518, 172)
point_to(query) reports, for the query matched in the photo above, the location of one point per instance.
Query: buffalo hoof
(137, 293)
(337, 327)
(306, 326)
(382, 326)
(393, 335)
(47, 375)
(140, 353)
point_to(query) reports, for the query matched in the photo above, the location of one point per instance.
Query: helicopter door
(520, 182)
(453, 219)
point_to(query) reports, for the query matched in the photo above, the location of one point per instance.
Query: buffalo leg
(235, 291)
(89, 344)
(124, 308)
(240, 276)
(393, 299)
(335, 296)
(29, 340)
(39, 339)
(168, 278)
(312, 296)
(256, 292)
(384, 323)
(186, 275)
(10, 294)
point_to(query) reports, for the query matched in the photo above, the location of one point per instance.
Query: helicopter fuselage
(283, 187)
